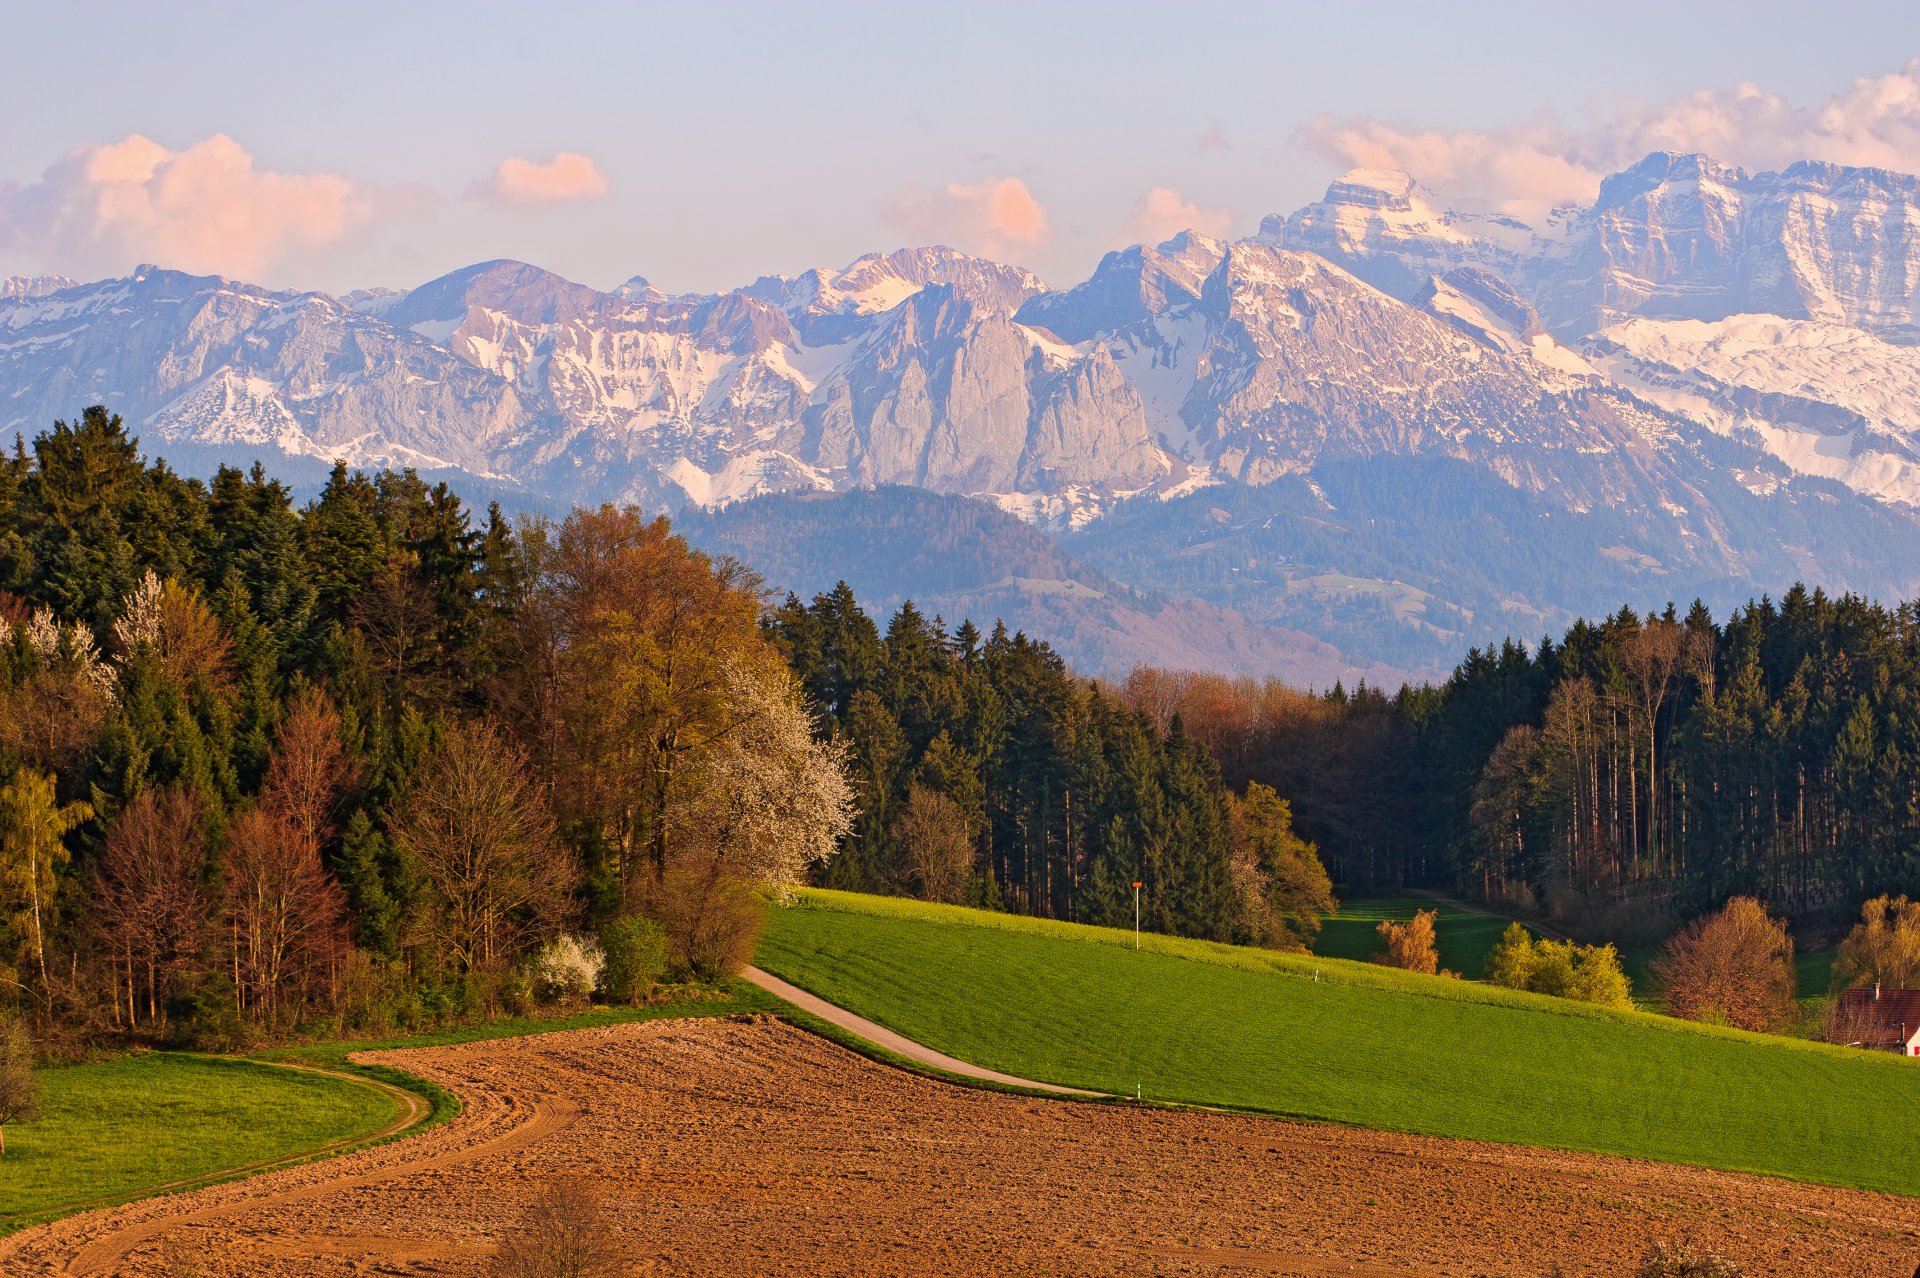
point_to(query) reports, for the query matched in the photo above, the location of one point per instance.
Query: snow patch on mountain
(1827, 399)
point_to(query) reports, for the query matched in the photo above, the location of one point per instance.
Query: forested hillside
(1636, 771)
(360, 763)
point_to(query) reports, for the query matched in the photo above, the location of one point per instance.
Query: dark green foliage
(1070, 795)
(636, 950)
(1641, 770)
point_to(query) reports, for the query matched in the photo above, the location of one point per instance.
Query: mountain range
(1378, 430)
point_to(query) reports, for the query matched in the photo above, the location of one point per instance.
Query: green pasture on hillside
(1463, 936)
(1198, 1022)
(124, 1126)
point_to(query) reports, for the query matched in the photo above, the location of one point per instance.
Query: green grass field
(126, 1125)
(1463, 936)
(1197, 1022)
(130, 1126)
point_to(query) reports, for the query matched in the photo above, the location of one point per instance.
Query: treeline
(366, 763)
(1639, 771)
(987, 772)
(361, 764)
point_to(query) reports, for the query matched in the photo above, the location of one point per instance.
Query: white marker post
(1136, 914)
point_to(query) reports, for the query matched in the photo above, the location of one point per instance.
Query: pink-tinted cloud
(204, 209)
(1163, 212)
(522, 183)
(997, 217)
(1534, 164)
(1214, 139)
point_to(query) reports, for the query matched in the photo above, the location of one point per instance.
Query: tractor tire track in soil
(751, 1147)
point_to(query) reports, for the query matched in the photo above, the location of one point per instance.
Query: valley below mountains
(1376, 432)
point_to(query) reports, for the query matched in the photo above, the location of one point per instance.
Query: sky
(345, 145)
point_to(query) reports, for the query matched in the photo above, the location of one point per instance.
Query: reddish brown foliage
(1735, 966)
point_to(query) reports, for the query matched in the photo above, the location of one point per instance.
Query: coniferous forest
(369, 761)
(1632, 774)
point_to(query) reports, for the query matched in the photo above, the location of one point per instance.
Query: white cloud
(1163, 212)
(995, 218)
(522, 183)
(1533, 164)
(204, 209)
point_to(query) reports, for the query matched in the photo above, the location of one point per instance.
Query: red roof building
(1882, 1020)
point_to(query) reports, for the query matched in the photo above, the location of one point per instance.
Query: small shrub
(567, 968)
(1584, 973)
(1686, 1261)
(636, 950)
(19, 1089)
(1410, 944)
(564, 1233)
(711, 922)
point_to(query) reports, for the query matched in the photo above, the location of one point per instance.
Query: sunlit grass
(1198, 1022)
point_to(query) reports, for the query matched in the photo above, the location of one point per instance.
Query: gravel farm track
(746, 1147)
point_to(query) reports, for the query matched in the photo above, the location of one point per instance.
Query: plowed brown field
(755, 1148)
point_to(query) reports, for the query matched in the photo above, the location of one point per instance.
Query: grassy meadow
(1462, 936)
(1204, 1023)
(120, 1127)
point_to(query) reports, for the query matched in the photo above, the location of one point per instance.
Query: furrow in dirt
(755, 1148)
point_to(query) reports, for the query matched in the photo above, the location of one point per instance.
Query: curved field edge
(437, 1105)
(1330, 1040)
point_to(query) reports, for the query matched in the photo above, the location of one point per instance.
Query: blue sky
(364, 143)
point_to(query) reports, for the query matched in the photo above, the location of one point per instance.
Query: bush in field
(19, 1090)
(1410, 944)
(711, 921)
(1734, 967)
(636, 950)
(564, 1233)
(1584, 973)
(1686, 1261)
(567, 968)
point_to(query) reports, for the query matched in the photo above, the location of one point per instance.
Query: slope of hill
(965, 559)
(1349, 1042)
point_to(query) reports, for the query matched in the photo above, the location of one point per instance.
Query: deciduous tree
(936, 846)
(151, 903)
(479, 826)
(1410, 945)
(19, 1089)
(1883, 947)
(33, 829)
(1733, 966)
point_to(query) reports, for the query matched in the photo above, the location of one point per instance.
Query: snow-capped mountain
(1707, 374)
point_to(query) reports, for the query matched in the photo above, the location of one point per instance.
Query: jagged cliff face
(904, 368)
(1665, 372)
(1674, 237)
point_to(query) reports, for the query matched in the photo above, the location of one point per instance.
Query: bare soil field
(755, 1148)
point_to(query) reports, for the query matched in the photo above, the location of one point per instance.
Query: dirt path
(754, 1148)
(874, 1032)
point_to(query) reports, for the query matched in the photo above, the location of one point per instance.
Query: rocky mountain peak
(27, 286)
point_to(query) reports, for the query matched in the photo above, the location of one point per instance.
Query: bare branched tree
(151, 902)
(19, 1089)
(564, 1233)
(480, 826)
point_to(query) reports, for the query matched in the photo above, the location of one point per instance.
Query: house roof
(1887, 1018)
